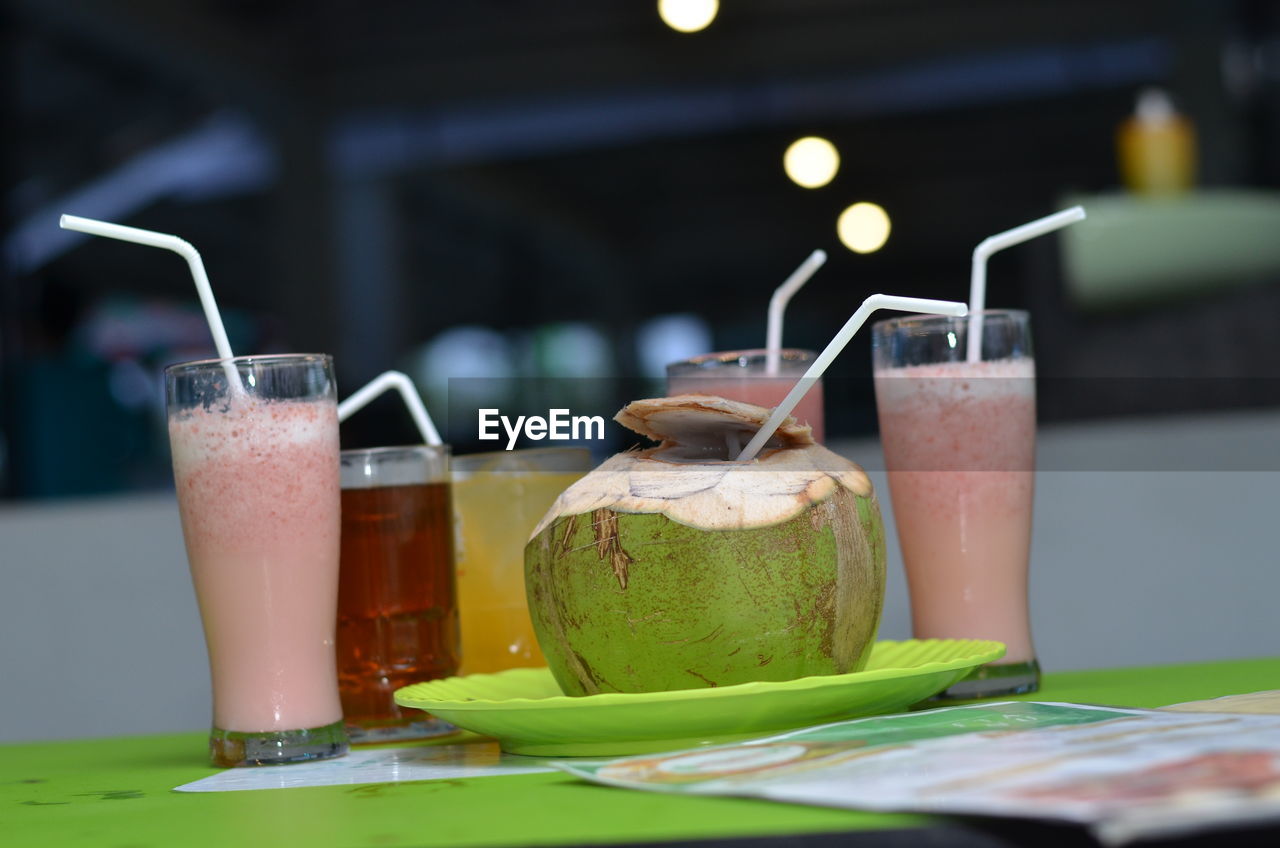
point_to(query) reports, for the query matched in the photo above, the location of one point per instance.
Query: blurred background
(509, 190)
(577, 189)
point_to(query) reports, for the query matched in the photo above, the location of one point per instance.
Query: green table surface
(119, 792)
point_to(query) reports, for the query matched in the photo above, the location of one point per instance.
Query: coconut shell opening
(687, 478)
(706, 428)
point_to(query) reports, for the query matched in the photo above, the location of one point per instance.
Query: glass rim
(918, 320)
(266, 358)
(550, 451)
(393, 465)
(735, 357)
(391, 450)
(559, 460)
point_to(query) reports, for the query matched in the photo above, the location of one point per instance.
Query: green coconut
(678, 568)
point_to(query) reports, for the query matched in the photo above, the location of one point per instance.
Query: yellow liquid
(496, 511)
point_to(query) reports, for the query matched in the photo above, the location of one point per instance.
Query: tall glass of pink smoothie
(255, 460)
(959, 446)
(742, 375)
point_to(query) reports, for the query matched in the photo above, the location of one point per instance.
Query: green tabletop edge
(118, 791)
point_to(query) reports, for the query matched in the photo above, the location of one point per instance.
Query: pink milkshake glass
(741, 375)
(255, 460)
(959, 446)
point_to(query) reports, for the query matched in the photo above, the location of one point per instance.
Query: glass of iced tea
(397, 613)
(500, 497)
(742, 375)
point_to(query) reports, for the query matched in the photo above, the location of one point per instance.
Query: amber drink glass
(397, 609)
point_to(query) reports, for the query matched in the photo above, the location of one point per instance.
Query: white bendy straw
(832, 350)
(994, 244)
(400, 382)
(778, 305)
(183, 248)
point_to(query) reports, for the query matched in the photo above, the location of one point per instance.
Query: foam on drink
(956, 414)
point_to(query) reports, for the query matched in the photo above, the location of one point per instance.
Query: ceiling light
(811, 161)
(863, 227)
(688, 15)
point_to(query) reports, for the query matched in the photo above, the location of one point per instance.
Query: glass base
(373, 733)
(229, 748)
(991, 680)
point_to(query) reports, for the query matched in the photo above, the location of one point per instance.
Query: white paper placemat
(377, 765)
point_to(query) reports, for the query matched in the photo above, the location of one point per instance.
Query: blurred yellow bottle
(498, 498)
(1156, 147)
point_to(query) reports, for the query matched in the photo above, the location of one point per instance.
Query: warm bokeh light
(688, 15)
(811, 161)
(863, 227)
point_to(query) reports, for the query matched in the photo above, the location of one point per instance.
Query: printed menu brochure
(1124, 773)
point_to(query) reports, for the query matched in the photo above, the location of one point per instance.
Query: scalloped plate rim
(984, 651)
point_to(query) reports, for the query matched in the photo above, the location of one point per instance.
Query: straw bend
(833, 349)
(180, 246)
(778, 305)
(400, 382)
(994, 244)
(187, 251)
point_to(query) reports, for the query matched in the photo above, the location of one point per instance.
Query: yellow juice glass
(498, 498)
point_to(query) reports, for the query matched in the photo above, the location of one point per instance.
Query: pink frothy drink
(741, 375)
(256, 469)
(959, 444)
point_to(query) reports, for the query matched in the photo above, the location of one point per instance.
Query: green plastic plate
(526, 712)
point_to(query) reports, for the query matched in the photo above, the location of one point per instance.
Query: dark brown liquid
(397, 608)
